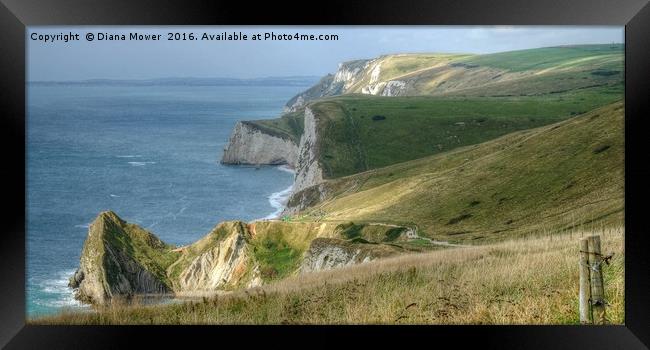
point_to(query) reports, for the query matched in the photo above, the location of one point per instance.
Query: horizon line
(310, 76)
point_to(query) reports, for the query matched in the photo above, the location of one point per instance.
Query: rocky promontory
(121, 260)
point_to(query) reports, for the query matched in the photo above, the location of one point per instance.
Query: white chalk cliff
(250, 145)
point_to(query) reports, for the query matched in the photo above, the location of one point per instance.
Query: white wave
(278, 201)
(130, 156)
(141, 163)
(286, 168)
(114, 195)
(60, 295)
(82, 226)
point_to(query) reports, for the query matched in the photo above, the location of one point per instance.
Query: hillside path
(413, 233)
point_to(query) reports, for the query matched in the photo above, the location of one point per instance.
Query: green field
(359, 133)
(549, 57)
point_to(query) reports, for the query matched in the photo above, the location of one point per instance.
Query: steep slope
(554, 178)
(120, 259)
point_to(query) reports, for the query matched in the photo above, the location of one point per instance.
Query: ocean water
(149, 153)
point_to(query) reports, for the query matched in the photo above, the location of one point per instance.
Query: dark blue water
(151, 154)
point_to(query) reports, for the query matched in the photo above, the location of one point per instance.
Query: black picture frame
(16, 15)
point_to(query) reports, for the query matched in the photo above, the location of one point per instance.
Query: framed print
(427, 170)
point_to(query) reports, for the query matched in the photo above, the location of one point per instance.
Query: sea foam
(141, 163)
(60, 294)
(278, 200)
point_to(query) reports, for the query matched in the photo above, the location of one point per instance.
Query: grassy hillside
(549, 71)
(552, 178)
(359, 133)
(560, 57)
(527, 281)
(522, 73)
(279, 247)
(514, 73)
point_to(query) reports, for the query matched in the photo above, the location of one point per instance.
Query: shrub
(459, 219)
(602, 148)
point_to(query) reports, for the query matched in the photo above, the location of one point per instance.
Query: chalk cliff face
(308, 169)
(360, 76)
(108, 268)
(250, 145)
(325, 87)
(347, 74)
(222, 263)
(394, 88)
(330, 253)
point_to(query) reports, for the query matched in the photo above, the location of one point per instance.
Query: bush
(269, 272)
(459, 219)
(602, 148)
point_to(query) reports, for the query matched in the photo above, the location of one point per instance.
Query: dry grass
(526, 281)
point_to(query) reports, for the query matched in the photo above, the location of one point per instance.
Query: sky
(102, 59)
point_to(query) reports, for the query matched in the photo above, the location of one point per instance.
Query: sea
(149, 153)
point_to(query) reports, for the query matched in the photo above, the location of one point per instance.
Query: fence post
(585, 281)
(596, 277)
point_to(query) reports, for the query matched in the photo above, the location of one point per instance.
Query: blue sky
(247, 59)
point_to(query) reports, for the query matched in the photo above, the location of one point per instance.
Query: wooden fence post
(585, 282)
(596, 277)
